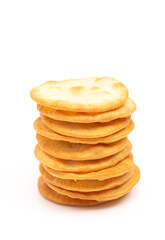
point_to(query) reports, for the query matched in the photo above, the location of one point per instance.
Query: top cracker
(82, 95)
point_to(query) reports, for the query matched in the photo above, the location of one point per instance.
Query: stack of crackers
(84, 153)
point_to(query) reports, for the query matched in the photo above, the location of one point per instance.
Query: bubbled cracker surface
(84, 95)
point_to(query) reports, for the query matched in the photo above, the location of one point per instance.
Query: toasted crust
(85, 185)
(82, 95)
(104, 195)
(79, 152)
(41, 128)
(86, 130)
(86, 117)
(114, 171)
(53, 196)
(81, 166)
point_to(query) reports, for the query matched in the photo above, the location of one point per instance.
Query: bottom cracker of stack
(80, 195)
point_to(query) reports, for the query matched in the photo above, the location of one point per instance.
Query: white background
(54, 40)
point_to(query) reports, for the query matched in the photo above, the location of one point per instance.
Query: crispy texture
(82, 95)
(104, 195)
(41, 128)
(114, 171)
(59, 198)
(85, 185)
(86, 117)
(79, 152)
(86, 130)
(81, 166)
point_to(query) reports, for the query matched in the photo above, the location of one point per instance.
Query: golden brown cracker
(85, 185)
(104, 195)
(89, 117)
(53, 196)
(81, 95)
(114, 171)
(78, 151)
(41, 128)
(81, 166)
(85, 130)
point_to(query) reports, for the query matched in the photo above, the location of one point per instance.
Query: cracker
(114, 171)
(53, 196)
(86, 117)
(104, 195)
(81, 166)
(85, 185)
(81, 95)
(78, 151)
(85, 130)
(41, 128)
